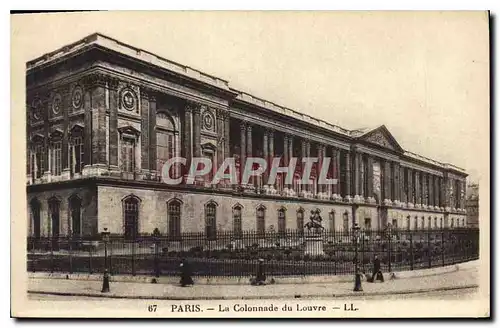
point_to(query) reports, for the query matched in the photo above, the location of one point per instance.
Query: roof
(98, 39)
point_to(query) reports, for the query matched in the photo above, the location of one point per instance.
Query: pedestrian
(260, 278)
(186, 278)
(377, 272)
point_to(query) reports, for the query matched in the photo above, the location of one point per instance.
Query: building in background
(472, 205)
(103, 116)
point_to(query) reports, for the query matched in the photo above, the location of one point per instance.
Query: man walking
(377, 273)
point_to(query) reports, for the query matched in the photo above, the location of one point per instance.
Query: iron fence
(292, 252)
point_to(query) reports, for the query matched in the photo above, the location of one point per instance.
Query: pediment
(130, 130)
(381, 137)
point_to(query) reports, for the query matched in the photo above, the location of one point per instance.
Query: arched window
(423, 222)
(282, 220)
(300, 219)
(237, 224)
(54, 206)
(75, 210)
(408, 224)
(463, 222)
(211, 221)
(131, 217)
(452, 222)
(429, 223)
(435, 223)
(165, 139)
(332, 220)
(416, 223)
(35, 217)
(174, 219)
(261, 220)
(76, 149)
(441, 223)
(346, 222)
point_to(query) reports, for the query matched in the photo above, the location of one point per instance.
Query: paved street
(457, 294)
(460, 279)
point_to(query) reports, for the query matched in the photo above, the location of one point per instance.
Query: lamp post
(389, 231)
(156, 238)
(357, 279)
(105, 280)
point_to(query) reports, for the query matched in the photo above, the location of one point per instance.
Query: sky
(425, 76)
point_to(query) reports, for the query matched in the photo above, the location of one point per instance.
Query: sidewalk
(465, 278)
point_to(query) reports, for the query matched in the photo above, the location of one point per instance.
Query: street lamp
(357, 279)
(156, 238)
(105, 280)
(389, 231)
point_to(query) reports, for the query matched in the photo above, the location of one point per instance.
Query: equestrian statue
(315, 222)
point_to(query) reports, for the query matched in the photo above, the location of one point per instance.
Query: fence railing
(291, 252)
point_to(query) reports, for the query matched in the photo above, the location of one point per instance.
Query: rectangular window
(76, 155)
(346, 222)
(174, 222)
(38, 161)
(368, 223)
(55, 159)
(210, 228)
(261, 221)
(128, 155)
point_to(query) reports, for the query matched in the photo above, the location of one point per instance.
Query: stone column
(113, 124)
(271, 152)
(144, 131)
(356, 173)
(197, 131)
(227, 129)
(250, 151)
(318, 168)
(431, 190)
(387, 181)
(348, 181)
(243, 149)
(220, 139)
(286, 160)
(362, 191)
(402, 194)
(409, 175)
(436, 191)
(396, 184)
(369, 162)
(66, 106)
(308, 154)
(336, 172)
(188, 141)
(152, 134)
(265, 152)
(418, 191)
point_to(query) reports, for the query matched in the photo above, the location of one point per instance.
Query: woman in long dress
(186, 278)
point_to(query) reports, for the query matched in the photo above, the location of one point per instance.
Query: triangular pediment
(381, 137)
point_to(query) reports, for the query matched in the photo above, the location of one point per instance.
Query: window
(128, 155)
(76, 153)
(54, 205)
(55, 158)
(76, 149)
(423, 222)
(416, 223)
(332, 220)
(441, 223)
(395, 223)
(38, 161)
(237, 224)
(75, 205)
(131, 217)
(429, 225)
(282, 221)
(174, 219)
(261, 220)
(408, 224)
(346, 222)
(452, 222)
(210, 221)
(164, 148)
(435, 223)
(368, 224)
(35, 218)
(463, 222)
(300, 219)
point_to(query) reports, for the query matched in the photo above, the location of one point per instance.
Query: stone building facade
(103, 116)
(472, 205)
